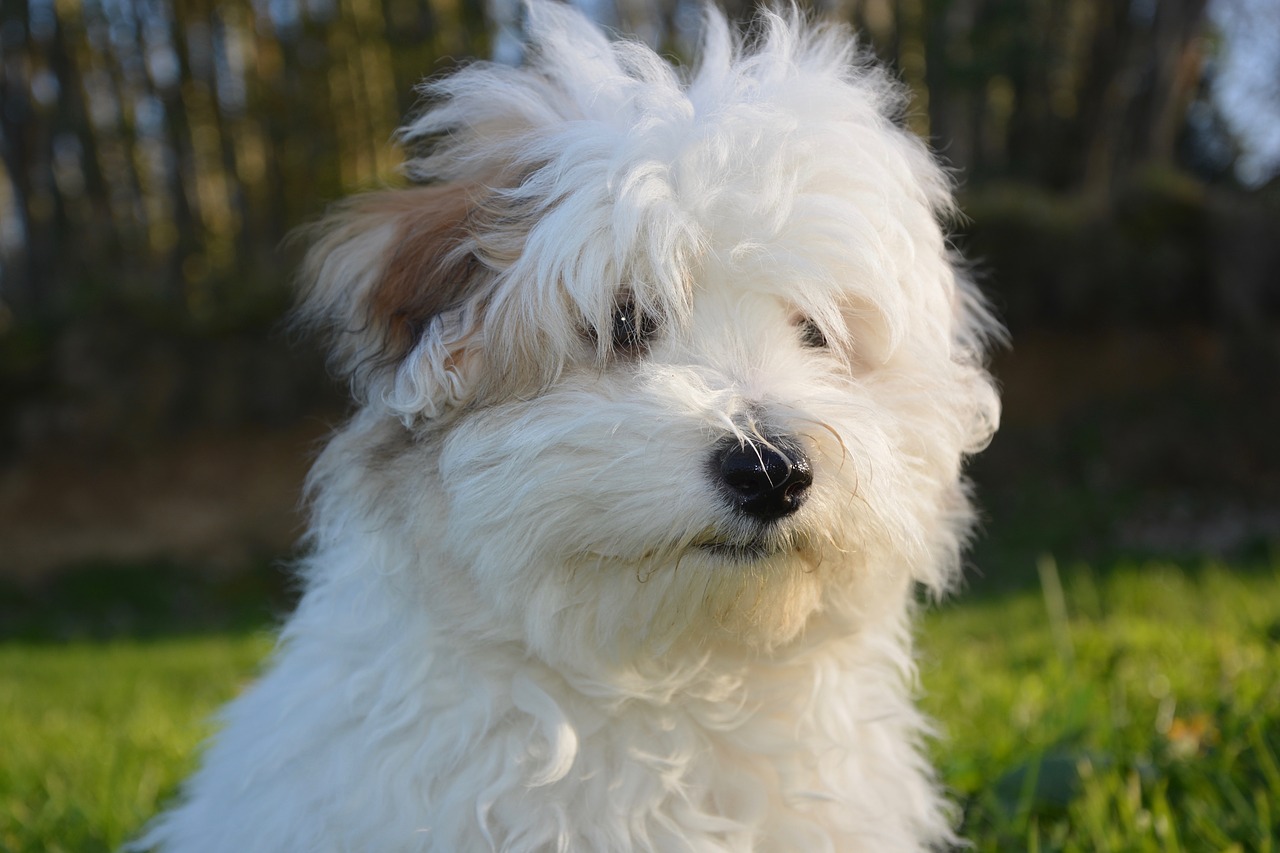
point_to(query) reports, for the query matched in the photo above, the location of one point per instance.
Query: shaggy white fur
(665, 384)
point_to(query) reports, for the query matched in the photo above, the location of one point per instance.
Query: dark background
(1118, 163)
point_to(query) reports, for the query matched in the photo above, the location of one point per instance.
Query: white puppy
(665, 381)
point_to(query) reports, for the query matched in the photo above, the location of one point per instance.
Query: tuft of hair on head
(548, 198)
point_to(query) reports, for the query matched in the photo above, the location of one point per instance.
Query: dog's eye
(632, 329)
(811, 335)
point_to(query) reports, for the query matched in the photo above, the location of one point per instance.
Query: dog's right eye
(632, 329)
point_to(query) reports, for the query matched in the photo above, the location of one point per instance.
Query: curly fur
(531, 619)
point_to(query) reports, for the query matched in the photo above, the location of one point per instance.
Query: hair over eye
(632, 330)
(811, 335)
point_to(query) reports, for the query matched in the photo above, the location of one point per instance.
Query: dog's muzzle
(767, 478)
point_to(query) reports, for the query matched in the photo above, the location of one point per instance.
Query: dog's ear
(394, 277)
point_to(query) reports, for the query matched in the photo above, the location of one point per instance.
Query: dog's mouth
(740, 552)
(752, 549)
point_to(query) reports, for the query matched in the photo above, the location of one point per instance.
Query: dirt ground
(215, 500)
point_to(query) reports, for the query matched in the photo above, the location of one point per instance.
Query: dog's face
(666, 362)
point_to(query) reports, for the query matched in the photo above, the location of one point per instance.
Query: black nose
(768, 478)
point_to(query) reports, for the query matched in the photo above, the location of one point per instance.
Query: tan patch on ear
(431, 267)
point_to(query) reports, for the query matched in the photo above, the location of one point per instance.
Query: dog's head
(675, 356)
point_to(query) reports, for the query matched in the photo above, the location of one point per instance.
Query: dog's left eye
(811, 335)
(632, 329)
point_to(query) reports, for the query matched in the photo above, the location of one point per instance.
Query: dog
(664, 383)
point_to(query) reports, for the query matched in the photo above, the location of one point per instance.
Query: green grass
(94, 735)
(1132, 709)
(1136, 710)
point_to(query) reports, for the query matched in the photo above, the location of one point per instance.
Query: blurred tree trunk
(24, 145)
(181, 156)
(1176, 57)
(1102, 96)
(1143, 69)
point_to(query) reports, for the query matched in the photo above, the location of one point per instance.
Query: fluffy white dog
(665, 382)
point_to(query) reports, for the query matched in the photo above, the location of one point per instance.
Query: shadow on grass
(105, 601)
(1079, 527)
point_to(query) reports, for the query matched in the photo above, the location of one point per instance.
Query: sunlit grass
(1139, 709)
(93, 735)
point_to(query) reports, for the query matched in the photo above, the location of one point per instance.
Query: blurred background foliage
(1117, 163)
